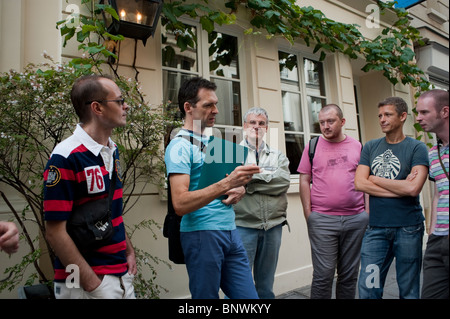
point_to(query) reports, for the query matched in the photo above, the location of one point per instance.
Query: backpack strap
(194, 141)
(440, 159)
(312, 151)
(202, 148)
(312, 148)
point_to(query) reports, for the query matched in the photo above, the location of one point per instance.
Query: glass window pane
(289, 71)
(173, 56)
(171, 84)
(295, 144)
(314, 77)
(292, 112)
(229, 95)
(223, 55)
(314, 106)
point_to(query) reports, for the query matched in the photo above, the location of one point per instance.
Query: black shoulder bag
(171, 230)
(90, 225)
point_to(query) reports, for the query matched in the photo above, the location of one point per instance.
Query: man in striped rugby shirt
(433, 112)
(80, 170)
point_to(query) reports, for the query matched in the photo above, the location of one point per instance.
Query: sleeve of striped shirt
(59, 182)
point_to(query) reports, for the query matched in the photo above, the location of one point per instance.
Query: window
(177, 65)
(214, 57)
(224, 71)
(303, 95)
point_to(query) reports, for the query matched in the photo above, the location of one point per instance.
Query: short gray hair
(257, 111)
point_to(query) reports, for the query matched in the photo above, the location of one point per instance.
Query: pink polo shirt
(333, 173)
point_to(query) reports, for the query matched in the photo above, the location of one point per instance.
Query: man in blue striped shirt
(433, 113)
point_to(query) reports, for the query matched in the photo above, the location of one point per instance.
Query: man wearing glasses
(80, 170)
(261, 213)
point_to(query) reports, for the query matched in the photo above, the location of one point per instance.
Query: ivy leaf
(108, 9)
(322, 56)
(69, 34)
(213, 65)
(232, 4)
(81, 36)
(60, 23)
(207, 24)
(418, 127)
(259, 4)
(258, 21)
(113, 37)
(168, 13)
(183, 42)
(317, 47)
(270, 13)
(407, 55)
(88, 28)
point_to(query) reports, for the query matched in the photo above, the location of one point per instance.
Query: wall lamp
(138, 19)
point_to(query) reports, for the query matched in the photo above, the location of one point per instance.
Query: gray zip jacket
(265, 202)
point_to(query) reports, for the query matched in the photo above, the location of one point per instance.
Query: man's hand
(9, 237)
(185, 201)
(412, 175)
(411, 186)
(242, 175)
(68, 253)
(131, 257)
(234, 195)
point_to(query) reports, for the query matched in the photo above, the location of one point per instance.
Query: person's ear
(403, 116)
(96, 108)
(188, 107)
(445, 112)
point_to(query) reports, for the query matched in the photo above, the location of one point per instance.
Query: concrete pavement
(390, 288)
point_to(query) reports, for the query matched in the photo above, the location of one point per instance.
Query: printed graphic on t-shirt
(386, 165)
(94, 179)
(338, 161)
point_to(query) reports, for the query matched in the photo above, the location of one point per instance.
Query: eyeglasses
(121, 101)
(255, 123)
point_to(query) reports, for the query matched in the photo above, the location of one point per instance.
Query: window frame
(307, 133)
(203, 70)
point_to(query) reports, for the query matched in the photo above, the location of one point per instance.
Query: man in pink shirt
(334, 211)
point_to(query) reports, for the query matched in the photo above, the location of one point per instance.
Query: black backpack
(171, 228)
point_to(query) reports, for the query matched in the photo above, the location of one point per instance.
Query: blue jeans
(217, 259)
(379, 247)
(262, 248)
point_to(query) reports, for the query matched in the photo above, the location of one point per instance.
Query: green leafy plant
(390, 52)
(34, 117)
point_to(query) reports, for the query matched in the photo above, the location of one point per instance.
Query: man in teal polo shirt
(214, 255)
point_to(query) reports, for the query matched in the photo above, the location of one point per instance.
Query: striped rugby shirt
(437, 174)
(79, 170)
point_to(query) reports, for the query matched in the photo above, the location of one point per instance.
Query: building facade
(292, 97)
